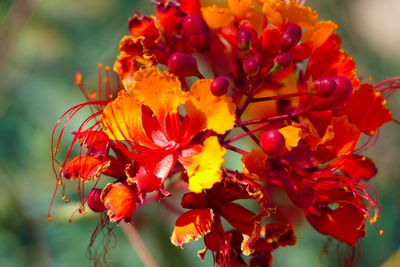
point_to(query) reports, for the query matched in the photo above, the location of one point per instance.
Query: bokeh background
(43, 43)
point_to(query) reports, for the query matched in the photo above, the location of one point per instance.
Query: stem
(239, 136)
(138, 245)
(276, 118)
(234, 149)
(268, 98)
(390, 80)
(250, 133)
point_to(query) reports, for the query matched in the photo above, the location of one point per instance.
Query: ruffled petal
(192, 225)
(217, 17)
(85, 168)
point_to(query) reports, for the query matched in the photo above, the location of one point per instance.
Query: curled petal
(255, 164)
(204, 168)
(120, 201)
(85, 168)
(358, 167)
(319, 34)
(192, 225)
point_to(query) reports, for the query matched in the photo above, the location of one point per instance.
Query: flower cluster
(281, 93)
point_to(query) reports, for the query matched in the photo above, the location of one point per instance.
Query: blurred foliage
(43, 44)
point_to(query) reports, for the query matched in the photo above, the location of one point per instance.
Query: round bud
(182, 65)
(94, 202)
(220, 86)
(343, 91)
(291, 36)
(272, 142)
(251, 66)
(284, 59)
(324, 86)
(195, 29)
(243, 39)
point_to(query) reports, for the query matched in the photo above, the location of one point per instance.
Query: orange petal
(204, 168)
(279, 13)
(217, 17)
(85, 168)
(120, 201)
(319, 34)
(219, 111)
(192, 225)
(255, 165)
(246, 9)
(367, 110)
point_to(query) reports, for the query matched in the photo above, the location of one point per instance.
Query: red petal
(367, 110)
(358, 167)
(239, 217)
(342, 223)
(190, 7)
(194, 201)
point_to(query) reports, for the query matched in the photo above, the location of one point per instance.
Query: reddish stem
(276, 97)
(235, 149)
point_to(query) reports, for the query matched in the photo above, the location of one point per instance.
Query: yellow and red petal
(122, 120)
(160, 91)
(219, 111)
(192, 225)
(204, 168)
(367, 110)
(120, 201)
(85, 168)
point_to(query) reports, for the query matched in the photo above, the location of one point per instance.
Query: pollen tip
(49, 218)
(70, 220)
(381, 232)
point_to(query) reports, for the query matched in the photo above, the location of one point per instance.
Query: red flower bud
(183, 65)
(243, 39)
(272, 142)
(284, 59)
(195, 29)
(324, 86)
(344, 90)
(251, 66)
(220, 86)
(94, 202)
(291, 36)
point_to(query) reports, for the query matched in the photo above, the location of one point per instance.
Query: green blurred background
(43, 43)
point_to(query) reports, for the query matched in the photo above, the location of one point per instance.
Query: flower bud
(272, 142)
(94, 202)
(182, 65)
(324, 86)
(343, 91)
(195, 29)
(220, 86)
(251, 66)
(284, 59)
(291, 36)
(243, 39)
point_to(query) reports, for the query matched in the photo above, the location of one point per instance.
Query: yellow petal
(320, 33)
(204, 168)
(292, 136)
(246, 9)
(160, 91)
(219, 111)
(279, 12)
(217, 17)
(192, 225)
